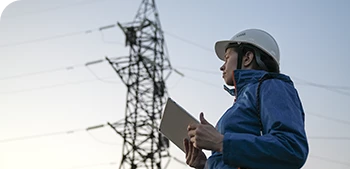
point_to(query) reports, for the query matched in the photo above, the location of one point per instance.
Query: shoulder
(278, 90)
(276, 81)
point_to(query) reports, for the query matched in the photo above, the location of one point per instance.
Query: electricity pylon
(144, 73)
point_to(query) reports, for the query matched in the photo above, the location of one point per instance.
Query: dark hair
(270, 63)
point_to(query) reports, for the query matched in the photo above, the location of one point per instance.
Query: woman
(264, 128)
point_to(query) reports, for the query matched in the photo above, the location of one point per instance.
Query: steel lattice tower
(143, 72)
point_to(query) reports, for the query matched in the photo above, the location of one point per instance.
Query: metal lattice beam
(143, 72)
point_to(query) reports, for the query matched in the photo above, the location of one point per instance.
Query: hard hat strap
(258, 60)
(257, 55)
(239, 50)
(240, 56)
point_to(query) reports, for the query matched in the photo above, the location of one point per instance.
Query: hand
(205, 136)
(194, 156)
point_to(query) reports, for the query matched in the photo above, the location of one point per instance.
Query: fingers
(196, 143)
(191, 133)
(202, 119)
(193, 138)
(190, 150)
(194, 153)
(192, 127)
(187, 150)
(194, 157)
(186, 147)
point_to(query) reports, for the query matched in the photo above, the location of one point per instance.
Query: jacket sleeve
(283, 144)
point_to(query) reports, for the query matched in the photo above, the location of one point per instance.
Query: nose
(222, 68)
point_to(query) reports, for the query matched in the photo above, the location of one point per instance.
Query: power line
(41, 135)
(176, 83)
(88, 129)
(201, 81)
(322, 85)
(110, 42)
(83, 2)
(196, 80)
(103, 80)
(98, 78)
(103, 125)
(58, 85)
(191, 69)
(304, 81)
(327, 87)
(85, 81)
(102, 142)
(51, 134)
(330, 160)
(192, 78)
(47, 38)
(189, 42)
(199, 70)
(328, 138)
(57, 36)
(336, 89)
(52, 86)
(329, 118)
(76, 82)
(114, 163)
(332, 88)
(312, 84)
(68, 68)
(93, 165)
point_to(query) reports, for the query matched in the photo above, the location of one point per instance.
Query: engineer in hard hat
(264, 128)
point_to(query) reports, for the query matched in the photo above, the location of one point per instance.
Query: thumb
(203, 120)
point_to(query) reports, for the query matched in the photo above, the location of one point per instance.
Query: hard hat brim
(220, 47)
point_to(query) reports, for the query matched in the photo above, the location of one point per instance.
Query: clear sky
(45, 87)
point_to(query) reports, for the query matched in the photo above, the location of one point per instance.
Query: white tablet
(174, 123)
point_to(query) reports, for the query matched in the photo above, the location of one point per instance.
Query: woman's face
(229, 66)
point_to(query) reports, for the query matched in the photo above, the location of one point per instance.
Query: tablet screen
(174, 123)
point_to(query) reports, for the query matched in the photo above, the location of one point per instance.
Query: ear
(248, 59)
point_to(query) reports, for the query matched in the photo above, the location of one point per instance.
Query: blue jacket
(282, 144)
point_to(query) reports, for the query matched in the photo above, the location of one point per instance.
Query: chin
(229, 82)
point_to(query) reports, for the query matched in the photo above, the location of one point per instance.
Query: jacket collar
(243, 77)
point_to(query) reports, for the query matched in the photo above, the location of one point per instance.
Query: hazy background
(46, 90)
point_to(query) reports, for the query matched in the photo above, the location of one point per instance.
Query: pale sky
(64, 95)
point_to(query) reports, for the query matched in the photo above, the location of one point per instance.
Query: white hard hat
(256, 37)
